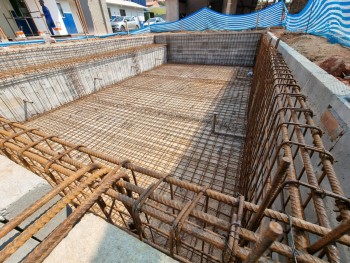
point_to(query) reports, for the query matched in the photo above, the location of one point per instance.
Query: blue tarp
(207, 19)
(327, 18)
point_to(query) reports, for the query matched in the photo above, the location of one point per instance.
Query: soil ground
(316, 49)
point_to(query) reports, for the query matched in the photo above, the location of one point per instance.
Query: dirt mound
(333, 58)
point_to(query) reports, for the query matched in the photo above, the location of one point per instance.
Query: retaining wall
(50, 88)
(25, 56)
(233, 49)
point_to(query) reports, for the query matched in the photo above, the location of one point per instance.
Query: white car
(124, 23)
(154, 20)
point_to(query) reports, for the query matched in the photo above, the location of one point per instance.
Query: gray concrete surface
(172, 7)
(95, 240)
(20, 188)
(22, 252)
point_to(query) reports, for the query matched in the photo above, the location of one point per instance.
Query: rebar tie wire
(294, 251)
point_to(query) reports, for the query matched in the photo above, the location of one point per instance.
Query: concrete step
(20, 188)
(95, 240)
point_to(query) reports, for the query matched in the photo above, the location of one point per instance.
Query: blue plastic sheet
(326, 18)
(207, 19)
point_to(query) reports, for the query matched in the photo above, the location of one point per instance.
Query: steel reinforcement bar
(280, 125)
(135, 198)
(76, 174)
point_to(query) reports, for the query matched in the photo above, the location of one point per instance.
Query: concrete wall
(27, 56)
(52, 87)
(238, 49)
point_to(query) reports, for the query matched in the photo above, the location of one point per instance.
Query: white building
(70, 16)
(125, 8)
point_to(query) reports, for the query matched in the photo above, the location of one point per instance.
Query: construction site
(215, 146)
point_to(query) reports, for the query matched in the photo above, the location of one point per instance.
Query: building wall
(140, 2)
(34, 6)
(76, 18)
(71, 18)
(68, 17)
(99, 16)
(88, 17)
(5, 7)
(129, 11)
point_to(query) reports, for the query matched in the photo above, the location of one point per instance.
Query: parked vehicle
(123, 23)
(154, 20)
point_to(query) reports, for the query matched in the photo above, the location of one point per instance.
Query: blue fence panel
(327, 18)
(207, 19)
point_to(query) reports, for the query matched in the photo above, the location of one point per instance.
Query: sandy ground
(316, 49)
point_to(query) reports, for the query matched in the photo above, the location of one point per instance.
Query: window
(118, 19)
(122, 12)
(60, 10)
(109, 13)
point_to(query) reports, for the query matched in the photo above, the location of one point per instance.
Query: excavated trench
(219, 129)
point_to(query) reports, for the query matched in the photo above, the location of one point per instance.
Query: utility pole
(228, 7)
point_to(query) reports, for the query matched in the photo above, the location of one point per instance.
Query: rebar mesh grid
(45, 87)
(110, 188)
(280, 125)
(24, 58)
(162, 120)
(187, 218)
(231, 48)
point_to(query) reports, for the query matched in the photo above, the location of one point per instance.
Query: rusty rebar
(45, 247)
(267, 237)
(270, 195)
(330, 237)
(280, 127)
(45, 218)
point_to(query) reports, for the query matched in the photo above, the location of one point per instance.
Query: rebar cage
(275, 184)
